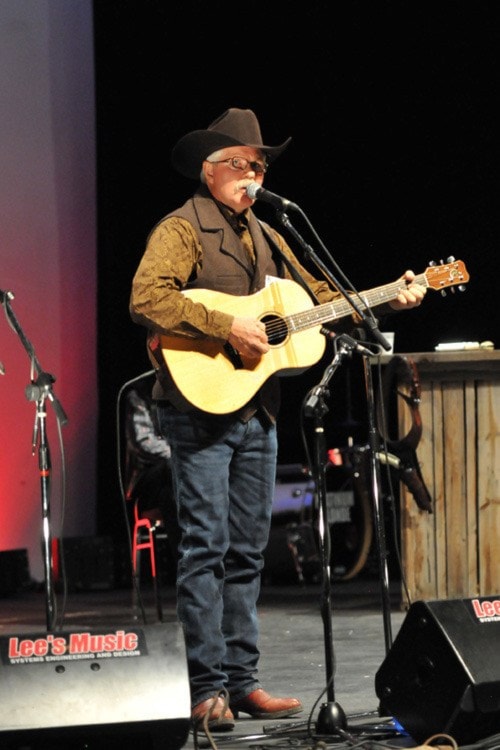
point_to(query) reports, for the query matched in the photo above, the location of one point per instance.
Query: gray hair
(215, 156)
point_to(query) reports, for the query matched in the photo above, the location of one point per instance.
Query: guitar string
(305, 318)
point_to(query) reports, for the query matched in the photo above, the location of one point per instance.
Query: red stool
(147, 529)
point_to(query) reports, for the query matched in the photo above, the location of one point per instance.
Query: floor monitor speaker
(442, 673)
(117, 687)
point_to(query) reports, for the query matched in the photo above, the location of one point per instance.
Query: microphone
(256, 192)
(5, 296)
(346, 341)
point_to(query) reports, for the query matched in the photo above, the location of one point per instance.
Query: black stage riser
(120, 686)
(442, 673)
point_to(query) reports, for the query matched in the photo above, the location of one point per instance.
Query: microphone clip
(347, 344)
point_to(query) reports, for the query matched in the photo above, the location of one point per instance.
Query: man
(223, 464)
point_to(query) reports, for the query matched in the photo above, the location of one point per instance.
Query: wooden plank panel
(471, 499)
(455, 552)
(488, 420)
(408, 560)
(455, 538)
(418, 527)
(438, 483)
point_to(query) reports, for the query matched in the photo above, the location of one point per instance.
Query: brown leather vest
(226, 264)
(226, 267)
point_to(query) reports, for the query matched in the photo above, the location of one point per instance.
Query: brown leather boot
(213, 713)
(261, 705)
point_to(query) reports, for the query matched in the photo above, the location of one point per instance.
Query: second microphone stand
(39, 390)
(332, 717)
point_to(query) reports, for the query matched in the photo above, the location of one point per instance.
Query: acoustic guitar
(215, 378)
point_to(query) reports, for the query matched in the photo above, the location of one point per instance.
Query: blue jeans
(224, 475)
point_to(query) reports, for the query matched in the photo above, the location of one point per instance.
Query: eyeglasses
(241, 165)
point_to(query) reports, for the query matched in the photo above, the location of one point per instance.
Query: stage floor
(298, 640)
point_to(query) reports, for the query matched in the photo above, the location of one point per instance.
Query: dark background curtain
(392, 107)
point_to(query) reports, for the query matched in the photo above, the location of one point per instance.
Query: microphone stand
(371, 324)
(368, 320)
(332, 718)
(39, 390)
(331, 715)
(380, 537)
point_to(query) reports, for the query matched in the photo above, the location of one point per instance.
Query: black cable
(119, 463)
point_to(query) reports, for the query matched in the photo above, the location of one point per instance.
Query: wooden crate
(455, 551)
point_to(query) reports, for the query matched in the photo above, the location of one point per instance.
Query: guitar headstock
(450, 274)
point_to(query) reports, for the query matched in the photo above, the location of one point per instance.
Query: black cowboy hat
(235, 127)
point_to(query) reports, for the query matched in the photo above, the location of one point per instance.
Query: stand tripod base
(331, 718)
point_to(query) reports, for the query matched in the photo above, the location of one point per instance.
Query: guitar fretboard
(341, 308)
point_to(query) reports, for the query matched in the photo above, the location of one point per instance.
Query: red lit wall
(47, 261)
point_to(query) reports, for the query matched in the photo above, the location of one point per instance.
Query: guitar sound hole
(276, 329)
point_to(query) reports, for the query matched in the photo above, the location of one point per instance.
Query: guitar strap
(403, 370)
(293, 271)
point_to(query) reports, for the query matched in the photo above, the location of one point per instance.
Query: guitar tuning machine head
(449, 259)
(453, 289)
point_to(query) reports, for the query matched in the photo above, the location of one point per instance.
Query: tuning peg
(432, 263)
(450, 259)
(461, 288)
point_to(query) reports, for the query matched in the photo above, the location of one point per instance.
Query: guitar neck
(341, 308)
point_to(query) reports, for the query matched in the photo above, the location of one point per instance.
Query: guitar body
(211, 379)
(214, 378)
